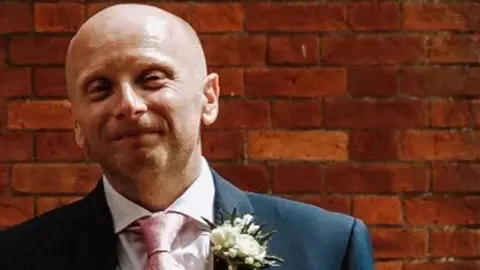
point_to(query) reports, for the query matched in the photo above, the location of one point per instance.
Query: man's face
(137, 102)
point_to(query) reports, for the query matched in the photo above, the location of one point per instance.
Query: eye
(99, 88)
(153, 79)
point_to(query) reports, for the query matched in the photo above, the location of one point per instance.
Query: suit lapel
(96, 247)
(228, 198)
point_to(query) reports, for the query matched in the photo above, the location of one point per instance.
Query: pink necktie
(159, 231)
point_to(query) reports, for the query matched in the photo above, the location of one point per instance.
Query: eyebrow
(145, 60)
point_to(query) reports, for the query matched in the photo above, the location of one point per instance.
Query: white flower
(253, 228)
(232, 252)
(247, 219)
(233, 240)
(224, 236)
(237, 221)
(248, 246)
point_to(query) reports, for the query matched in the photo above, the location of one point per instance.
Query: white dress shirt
(191, 248)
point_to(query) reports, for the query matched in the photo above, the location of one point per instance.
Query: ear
(79, 135)
(211, 93)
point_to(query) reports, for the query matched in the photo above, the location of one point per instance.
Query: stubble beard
(143, 163)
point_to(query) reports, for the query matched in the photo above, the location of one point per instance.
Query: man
(140, 91)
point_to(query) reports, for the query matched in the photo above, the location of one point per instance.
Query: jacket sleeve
(359, 255)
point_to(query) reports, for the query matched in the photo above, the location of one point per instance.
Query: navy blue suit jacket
(81, 236)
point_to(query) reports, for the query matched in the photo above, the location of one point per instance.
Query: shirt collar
(196, 202)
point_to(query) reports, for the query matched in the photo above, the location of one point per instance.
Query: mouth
(131, 134)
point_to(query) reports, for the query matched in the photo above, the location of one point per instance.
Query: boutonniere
(242, 243)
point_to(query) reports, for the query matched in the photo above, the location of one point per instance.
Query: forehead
(151, 40)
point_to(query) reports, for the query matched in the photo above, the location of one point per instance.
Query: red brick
(374, 16)
(182, 10)
(293, 49)
(295, 82)
(55, 17)
(250, 177)
(373, 144)
(3, 51)
(458, 265)
(38, 50)
(3, 115)
(372, 81)
(15, 18)
(15, 82)
(217, 17)
(455, 243)
(298, 178)
(16, 147)
(378, 210)
(338, 204)
(373, 49)
(456, 177)
(451, 48)
(376, 178)
(296, 113)
(50, 81)
(399, 243)
(451, 113)
(440, 16)
(475, 110)
(234, 50)
(231, 81)
(242, 114)
(93, 8)
(4, 178)
(443, 210)
(15, 210)
(59, 1)
(400, 113)
(58, 146)
(441, 81)
(54, 178)
(295, 17)
(222, 144)
(388, 265)
(439, 145)
(297, 145)
(53, 114)
(45, 204)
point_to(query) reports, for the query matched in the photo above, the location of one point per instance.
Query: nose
(130, 106)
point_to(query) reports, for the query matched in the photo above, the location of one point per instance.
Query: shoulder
(307, 234)
(299, 213)
(306, 221)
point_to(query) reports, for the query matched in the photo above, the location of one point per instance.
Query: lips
(132, 133)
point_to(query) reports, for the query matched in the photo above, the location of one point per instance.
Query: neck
(156, 190)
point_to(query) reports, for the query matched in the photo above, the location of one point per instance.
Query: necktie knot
(160, 230)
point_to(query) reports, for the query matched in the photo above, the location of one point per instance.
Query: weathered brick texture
(369, 108)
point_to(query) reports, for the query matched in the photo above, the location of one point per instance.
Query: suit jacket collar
(101, 243)
(228, 198)
(102, 246)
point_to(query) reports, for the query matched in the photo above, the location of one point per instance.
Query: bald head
(130, 25)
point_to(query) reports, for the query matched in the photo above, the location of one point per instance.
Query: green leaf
(247, 226)
(233, 216)
(210, 224)
(273, 258)
(259, 230)
(266, 237)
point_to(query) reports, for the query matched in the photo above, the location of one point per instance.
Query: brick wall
(367, 108)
